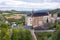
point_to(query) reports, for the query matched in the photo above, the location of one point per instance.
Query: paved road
(33, 35)
(44, 30)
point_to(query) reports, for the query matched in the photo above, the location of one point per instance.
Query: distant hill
(55, 11)
(28, 12)
(46, 10)
(15, 12)
(50, 11)
(25, 12)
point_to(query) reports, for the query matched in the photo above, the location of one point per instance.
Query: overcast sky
(29, 4)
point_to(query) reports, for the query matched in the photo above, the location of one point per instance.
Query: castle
(38, 19)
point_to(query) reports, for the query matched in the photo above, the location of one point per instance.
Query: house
(14, 25)
(38, 19)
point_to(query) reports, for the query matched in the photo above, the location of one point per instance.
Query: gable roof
(29, 15)
(36, 14)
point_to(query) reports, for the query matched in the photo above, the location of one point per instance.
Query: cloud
(22, 5)
(39, 0)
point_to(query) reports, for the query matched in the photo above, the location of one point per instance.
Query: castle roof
(36, 14)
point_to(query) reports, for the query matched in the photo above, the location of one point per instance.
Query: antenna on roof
(32, 12)
(48, 12)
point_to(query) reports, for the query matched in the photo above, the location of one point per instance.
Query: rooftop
(38, 14)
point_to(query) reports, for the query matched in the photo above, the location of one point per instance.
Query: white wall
(45, 19)
(29, 21)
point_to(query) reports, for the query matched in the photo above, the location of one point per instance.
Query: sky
(29, 4)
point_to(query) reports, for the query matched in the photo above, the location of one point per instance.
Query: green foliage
(28, 35)
(5, 34)
(18, 21)
(23, 20)
(49, 36)
(0, 34)
(3, 25)
(43, 36)
(21, 34)
(24, 34)
(55, 11)
(14, 34)
(17, 34)
(52, 26)
(58, 26)
(58, 35)
(4, 31)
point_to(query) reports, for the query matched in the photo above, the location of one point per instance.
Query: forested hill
(28, 12)
(14, 11)
(50, 11)
(55, 11)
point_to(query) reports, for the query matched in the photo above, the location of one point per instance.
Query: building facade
(38, 19)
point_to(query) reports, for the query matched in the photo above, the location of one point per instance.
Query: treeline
(50, 35)
(17, 21)
(11, 11)
(14, 33)
(29, 12)
(15, 11)
(55, 11)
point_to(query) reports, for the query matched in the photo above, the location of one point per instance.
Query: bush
(43, 36)
(5, 34)
(14, 34)
(3, 25)
(52, 26)
(24, 34)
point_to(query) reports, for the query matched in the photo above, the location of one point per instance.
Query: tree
(23, 20)
(52, 26)
(28, 35)
(58, 26)
(14, 34)
(5, 34)
(24, 34)
(0, 34)
(3, 25)
(56, 35)
(44, 35)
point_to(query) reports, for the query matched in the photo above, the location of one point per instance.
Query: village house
(38, 19)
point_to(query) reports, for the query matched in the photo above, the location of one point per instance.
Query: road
(33, 32)
(33, 35)
(44, 30)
